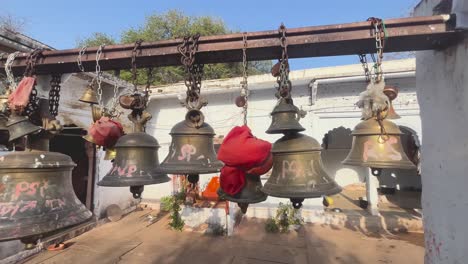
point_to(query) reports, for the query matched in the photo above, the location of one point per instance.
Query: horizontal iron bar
(403, 34)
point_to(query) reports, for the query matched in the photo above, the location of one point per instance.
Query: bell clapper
(243, 207)
(193, 178)
(296, 203)
(136, 191)
(376, 171)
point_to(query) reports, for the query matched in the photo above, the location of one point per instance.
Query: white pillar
(442, 89)
(231, 218)
(372, 183)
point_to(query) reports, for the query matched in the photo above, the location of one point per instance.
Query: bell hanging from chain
(298, 171)
(89, 96)
(110, 154)
(391, 92)
(377, 144)
(251, 193)
(191, 151)
(136, 163)
(285, 118)
(20, 126)
(37, 195)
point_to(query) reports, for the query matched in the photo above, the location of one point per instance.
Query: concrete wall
(442, 78)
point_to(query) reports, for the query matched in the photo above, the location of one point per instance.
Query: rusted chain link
(54, 94)
(136, 47)
(31, 62)
(244, 84)
(193, 71)
(284, 84)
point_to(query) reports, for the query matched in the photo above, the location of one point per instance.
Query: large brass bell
(285, 118)
(89, 96)
(250, 193)
(377, 147)
(298, 171)
(20, 126)
(36, 194)
(136, 162)
(192, 151)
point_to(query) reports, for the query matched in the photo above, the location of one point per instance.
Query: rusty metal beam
(404, 34)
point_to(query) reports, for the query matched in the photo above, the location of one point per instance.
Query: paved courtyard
(135, 240)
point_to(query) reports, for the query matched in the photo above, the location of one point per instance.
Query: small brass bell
(96, 112)
(379, 148)
(110, 154)
(250, 193)
(136, 162)
(20, 126)
(391, 92)
(37, 195)
(298, 171)
(285, 118)
(89, 96)
(191, 150)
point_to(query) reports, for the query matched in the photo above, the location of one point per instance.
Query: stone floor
(134, 239)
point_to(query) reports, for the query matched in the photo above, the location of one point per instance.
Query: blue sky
(60, 23)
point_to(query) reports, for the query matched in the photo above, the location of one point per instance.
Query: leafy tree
(96, 39)
(174, 24)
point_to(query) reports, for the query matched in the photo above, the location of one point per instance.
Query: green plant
(271, 226)
(286, 215)
(172, 204)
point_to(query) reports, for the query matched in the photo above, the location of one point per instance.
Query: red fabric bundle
(242, 153)
(19, 98)
(105, 132)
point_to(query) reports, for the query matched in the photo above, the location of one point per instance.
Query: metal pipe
(403, 34)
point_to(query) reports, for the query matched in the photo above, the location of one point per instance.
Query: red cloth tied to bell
(242, 153)
(105, 132)
(19, 98)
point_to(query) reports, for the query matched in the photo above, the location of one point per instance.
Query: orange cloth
(211, 189)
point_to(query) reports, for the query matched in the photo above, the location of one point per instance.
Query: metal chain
(244, 85)
(134, 68)
(54, 94)
(380, 35)
(149, 81)
(78, 59)
(379, 32)
(284, 88)
(193, 72)
(30, 70)
(9, 73)
(112, 109)
(99, 76)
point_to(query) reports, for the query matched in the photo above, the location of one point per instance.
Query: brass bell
(285, 118)
(20, 126)
(96, 112)
(36, 195)
(298, 171)
(89, 96)
(378, 148)
(110, 154)
(250, 193)
(136, 162)
(391, 92)
(192, 150)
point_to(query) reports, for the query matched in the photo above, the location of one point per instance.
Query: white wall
(442, 78)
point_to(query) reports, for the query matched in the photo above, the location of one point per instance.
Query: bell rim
(86, 215)
(306, 194)
(407, 165)
(116, 181)
(223, 195)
